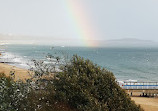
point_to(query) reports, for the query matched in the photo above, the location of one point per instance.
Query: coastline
(20, 74)
(148, 104)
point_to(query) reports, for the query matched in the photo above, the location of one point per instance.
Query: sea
(135, 64)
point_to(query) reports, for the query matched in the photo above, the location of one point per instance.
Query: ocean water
(139, 64)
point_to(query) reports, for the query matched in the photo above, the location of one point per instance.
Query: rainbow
(81, 22)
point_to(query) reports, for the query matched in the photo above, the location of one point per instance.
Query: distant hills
(128, 42)
(125, 42)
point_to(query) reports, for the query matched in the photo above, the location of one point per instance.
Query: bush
(29, 96)
(11, 93)
(41, 98)
(86, 86)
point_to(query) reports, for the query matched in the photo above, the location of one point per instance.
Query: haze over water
(126, 63)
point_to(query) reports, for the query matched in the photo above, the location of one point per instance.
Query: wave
(14, 60)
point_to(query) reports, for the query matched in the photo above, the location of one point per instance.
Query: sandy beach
(20, 73)
(148, 104)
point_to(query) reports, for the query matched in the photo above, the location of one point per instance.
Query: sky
(81, 22)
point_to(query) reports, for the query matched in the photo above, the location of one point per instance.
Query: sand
(148, 104)
(20, 73)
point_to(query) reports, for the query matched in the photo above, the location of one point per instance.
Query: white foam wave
(14, 60)
(130, 80)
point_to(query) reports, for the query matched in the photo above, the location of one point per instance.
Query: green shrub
(11, 93)
(88, 87)
(41, 98)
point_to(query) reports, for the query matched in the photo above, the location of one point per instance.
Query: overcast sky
(79, 19)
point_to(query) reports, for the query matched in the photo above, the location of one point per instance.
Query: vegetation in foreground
(80, 85)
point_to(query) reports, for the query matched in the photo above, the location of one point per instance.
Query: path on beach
(148, 104)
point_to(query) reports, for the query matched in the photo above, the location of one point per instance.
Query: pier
(143, 89)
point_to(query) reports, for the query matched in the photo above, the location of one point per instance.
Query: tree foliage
(11, 93)
(87, 86)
